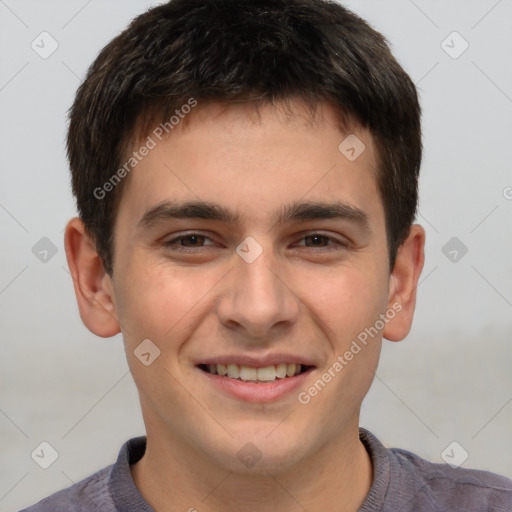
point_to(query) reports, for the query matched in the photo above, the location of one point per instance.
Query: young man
(246, 177)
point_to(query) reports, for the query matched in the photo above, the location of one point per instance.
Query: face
(253, 246)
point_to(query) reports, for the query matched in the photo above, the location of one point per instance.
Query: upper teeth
(246, 373)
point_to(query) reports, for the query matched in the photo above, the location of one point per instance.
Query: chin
(273, 449)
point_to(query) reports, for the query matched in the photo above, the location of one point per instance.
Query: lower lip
(260, 392)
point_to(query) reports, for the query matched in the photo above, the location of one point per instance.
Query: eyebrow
(321, 211)
(187, 210)
(295, 212)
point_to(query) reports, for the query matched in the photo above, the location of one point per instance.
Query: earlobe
(403, 283)
(93, 286)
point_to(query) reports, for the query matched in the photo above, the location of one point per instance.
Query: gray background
(449, 381)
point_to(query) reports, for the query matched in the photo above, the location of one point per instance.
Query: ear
(93, 286)
(403, 282)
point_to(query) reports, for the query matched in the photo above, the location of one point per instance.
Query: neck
(174, 477)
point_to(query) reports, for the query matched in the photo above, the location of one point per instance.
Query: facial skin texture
(294, 299)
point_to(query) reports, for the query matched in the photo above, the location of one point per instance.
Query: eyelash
(335, 245)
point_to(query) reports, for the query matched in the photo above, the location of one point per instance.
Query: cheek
(159, 302)
(163, 305)
(347, 307)
(346, 300)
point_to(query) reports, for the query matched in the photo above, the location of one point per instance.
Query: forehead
(254, 161)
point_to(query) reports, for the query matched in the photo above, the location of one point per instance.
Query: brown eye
(321, 242)
(192, 240)
(316, 240)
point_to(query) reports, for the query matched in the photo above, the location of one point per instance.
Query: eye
(189, 241)
(321, 241)
(316, 240)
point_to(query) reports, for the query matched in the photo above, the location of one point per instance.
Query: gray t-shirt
(402, 482)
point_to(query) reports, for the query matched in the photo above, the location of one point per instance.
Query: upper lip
(252, 361)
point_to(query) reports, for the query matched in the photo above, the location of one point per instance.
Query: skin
(295, 298)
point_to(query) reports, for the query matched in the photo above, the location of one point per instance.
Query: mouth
(269, 378)
(266, 374)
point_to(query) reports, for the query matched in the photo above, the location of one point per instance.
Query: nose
(257, 298)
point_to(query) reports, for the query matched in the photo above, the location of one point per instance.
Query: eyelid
(176, 237)
(335, 241)
(340, 240)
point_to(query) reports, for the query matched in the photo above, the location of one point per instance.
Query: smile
(250, 374)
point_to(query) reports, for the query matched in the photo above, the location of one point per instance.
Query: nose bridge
(256, 297)
(259, 280)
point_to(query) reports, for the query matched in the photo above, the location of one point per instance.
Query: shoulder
(452, 488)
(91, 495)
(406, 482)
(109, 490)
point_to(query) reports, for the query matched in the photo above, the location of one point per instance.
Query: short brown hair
(258, 51)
